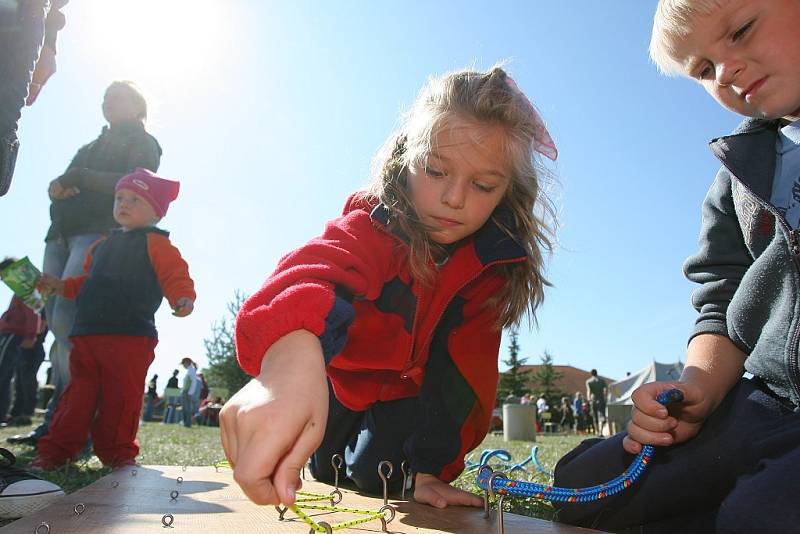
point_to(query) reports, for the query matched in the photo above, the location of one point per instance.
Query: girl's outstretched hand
(430, 490)
(655, 424)
(273, 425)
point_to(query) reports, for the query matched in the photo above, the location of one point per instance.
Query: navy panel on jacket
(121, 294)
(447, 400)
(398, 298)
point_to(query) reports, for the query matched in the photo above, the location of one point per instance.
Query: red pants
(104, 396)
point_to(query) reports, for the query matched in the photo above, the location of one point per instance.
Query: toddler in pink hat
(127, 275)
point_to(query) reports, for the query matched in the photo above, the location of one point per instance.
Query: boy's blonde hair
(486, 98)
(671, 23)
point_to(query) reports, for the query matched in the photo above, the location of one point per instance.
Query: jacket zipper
(410, 360)
(794, 250)
(794, 371)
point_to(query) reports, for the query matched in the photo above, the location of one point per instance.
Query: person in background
(26, 385)
(171, 411)
(21, 492)
(28, 30)
(567, 417)
(596, 390)
(581, 416)
(81, 213)
(204, 389)
(172, 382)
(19, 327)
(190, 392)
(150, 398)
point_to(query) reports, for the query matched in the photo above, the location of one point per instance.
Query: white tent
(619, 393)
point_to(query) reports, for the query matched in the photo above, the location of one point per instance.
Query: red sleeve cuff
(303, 306)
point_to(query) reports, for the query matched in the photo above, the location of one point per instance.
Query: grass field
(176, 445)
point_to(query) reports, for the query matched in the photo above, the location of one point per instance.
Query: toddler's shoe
(22, 492)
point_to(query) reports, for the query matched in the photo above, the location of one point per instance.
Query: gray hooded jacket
(748, 263)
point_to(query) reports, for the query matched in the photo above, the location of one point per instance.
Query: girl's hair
(486, 98)
(671, 24)
(136, 95)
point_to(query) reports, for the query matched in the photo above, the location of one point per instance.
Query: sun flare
(156, 41)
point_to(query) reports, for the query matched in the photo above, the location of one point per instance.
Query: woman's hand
(430, 490)
(275, 423)
(57, 191)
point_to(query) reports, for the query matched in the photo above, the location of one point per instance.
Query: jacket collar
(749, 154)
(491, 243)
(144, 230)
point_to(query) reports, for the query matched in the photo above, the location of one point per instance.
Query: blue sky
(269, 114)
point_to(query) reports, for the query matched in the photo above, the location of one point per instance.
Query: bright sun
(157, 41)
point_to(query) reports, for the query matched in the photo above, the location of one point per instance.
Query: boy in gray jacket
(730, 456)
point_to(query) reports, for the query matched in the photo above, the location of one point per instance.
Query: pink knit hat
(158, 192)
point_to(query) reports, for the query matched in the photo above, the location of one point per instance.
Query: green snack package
(22, 276)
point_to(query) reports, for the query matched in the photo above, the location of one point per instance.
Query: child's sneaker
(21, 492)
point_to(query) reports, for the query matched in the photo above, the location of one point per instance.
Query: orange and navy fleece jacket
(387, 336)
(127, 276)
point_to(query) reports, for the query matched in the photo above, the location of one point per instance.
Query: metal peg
(174, 495)
(489, 471)
(336, 462)
(500, 498)
(406, 475)
(167, 520)
(79, 508)
(43, 528)
(385, 478)
(180, 480)
(385, 521)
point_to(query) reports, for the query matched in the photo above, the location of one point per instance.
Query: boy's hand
(430, 490)
(655, 424)
(50, 285)
(183, 307)
(273, 425)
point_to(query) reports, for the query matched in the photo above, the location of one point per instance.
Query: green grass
(160, 445)
(550, 449)
(176, 445)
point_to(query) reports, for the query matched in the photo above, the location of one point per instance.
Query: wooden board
(210, 502)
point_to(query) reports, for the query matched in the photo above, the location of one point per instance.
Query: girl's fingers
(254, 469)
(287, 471)
(228, 438)
(463, 498)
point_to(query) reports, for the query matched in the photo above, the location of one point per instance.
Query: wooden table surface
(210, 502)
